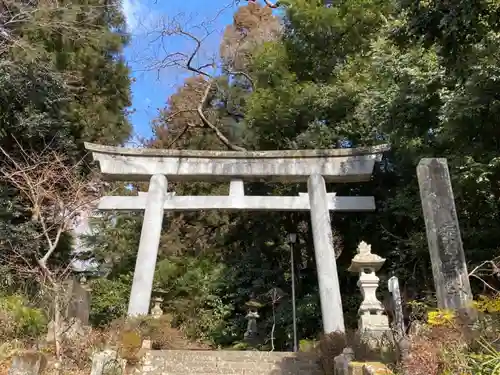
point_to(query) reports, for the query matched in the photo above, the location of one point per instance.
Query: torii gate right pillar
(326, 264)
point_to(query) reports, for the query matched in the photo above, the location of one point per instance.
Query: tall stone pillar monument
(449, 267)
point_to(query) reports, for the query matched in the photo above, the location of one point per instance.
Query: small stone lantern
(156, 311)
(251, 334)
(372, 317)
(84, 283)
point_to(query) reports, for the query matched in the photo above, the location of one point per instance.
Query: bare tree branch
(186, 61)
(244, 74)
(179, 136)
(486, 269)
(206, 122)
(56, 192)
(268, 3)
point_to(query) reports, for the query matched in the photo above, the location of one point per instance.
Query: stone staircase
(206, 362)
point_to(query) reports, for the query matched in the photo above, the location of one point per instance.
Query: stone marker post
(449, 268)
(29, 363)
(79, 301)
(107, 362)
(142, 285)
(399, 324)
(326, 264)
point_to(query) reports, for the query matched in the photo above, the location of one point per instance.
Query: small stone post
(326, 264)
(142, 285)
(342, 361)
(449, 268)
(399, 324)
(372, 320)
(107, 362)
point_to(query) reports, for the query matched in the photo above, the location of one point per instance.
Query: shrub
(308, 346)
(452, 343)
(109, 300)
(78, 351)
(130, 346)
(129, 333)
(18, 320)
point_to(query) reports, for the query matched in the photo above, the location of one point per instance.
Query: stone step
(211, 362)
(223, 368)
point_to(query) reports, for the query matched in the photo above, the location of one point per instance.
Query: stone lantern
(84, 283)
(251, 334)
(156, 311)
(372, 317)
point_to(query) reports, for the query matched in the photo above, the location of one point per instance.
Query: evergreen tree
(63, 81)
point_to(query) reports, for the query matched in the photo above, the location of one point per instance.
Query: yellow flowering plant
(487, 305)
(440, 317)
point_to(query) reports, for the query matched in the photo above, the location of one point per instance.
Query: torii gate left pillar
(345, 165)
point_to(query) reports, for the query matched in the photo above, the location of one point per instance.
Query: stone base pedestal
(375, 323)
(375, 332)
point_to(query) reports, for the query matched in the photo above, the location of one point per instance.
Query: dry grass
(124, 336)
(453, 348)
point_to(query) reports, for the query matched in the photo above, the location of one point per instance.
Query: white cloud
(133, 10)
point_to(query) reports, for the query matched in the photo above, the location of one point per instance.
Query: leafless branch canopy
(205, 83)
(56, 191)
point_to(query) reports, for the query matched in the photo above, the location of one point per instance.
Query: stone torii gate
(314, 166)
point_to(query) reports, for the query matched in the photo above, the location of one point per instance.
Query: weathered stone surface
(372, 320)
(449, 267)
(398, 323)
(79, 302)
(176, 362)
(342, 361)
(28, 363)
(142, 284)
(146, 344)
(326, 264)
(107, 362)
(340, 165)
(71, 329)
(237, 203)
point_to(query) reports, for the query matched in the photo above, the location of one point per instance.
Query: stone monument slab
(28, 363)
(449, 267)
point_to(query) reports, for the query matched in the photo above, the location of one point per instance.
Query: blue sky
(145, 20)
